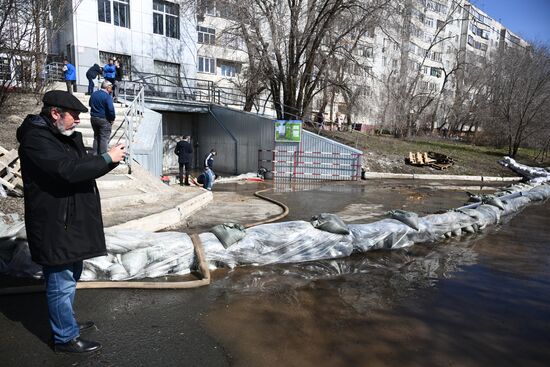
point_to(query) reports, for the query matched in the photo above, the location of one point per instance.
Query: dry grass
(387, 154)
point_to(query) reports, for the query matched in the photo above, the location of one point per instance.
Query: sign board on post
(288, 131)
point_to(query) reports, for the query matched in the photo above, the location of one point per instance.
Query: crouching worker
(62, 208)
(206, 178)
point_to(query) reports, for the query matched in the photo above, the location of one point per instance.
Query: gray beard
(61, 128)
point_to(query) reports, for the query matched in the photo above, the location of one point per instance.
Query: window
(206, 35)
(170, 72)
(435, 72)
(429, 22)
(115, 11)
(166, 18)
(104, 10)
(207, 65)
(394, 63)
(126, 61)
(435, 56)
(5, 69)
(367, 52)
(229, 69)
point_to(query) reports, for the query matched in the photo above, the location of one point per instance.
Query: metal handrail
(133, 113)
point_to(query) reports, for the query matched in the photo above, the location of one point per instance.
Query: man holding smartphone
(62, 208)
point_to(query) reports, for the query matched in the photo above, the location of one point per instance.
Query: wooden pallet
(430, 159)
(10, 171)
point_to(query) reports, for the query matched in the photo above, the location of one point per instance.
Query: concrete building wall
(90, 36)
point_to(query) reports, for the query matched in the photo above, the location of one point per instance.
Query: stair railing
(133, 116)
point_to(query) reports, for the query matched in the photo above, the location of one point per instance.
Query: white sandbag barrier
(138, 254)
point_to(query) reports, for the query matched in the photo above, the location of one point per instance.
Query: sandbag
(405, 217)
(494, 201)
(329, 223)
(229, 233)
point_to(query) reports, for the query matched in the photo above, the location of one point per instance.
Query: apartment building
(148, 36)
(202, 43)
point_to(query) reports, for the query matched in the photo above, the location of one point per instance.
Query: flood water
(480, 300)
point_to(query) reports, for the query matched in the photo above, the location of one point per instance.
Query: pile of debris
(431, 159)
(10, 172)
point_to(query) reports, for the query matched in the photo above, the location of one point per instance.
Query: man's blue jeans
(60, 290)
(102, 133)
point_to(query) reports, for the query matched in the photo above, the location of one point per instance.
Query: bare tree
(292, 43)
(26, 27)
(519, 91)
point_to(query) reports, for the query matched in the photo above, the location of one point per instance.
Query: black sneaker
(77, 346)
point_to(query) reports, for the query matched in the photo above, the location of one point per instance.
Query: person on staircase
(109, 73)
(69, 72)
(184, 151)
(102, 112)
(62, 209)
(91, 75)
(119, 73)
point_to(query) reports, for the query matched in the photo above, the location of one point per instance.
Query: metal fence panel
(314, 158)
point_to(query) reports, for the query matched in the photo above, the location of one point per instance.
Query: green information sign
(288, 131)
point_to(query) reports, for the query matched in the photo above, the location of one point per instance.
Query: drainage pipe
(230, 134)
(269, 220)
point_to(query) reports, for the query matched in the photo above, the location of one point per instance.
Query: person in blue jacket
(102, 114)
(70, 76)
(109, 73)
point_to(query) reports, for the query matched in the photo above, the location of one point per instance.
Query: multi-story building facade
(417, 52)
(148, 36)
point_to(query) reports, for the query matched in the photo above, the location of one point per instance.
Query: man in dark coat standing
(184, 151)
(62, 208)
(91, 74)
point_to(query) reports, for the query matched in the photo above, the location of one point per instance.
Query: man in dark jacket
(119, 73)
(184, 151)
(102, 116)
(91, 74)
(62, 208)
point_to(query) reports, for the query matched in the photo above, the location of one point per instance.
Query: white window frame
(109, 12)
(206, 65)
(206, 35)
(167, 13)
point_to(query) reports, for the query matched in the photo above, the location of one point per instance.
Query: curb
(414, 176)
(159, 221)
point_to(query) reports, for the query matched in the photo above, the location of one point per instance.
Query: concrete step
(89, 132)
(89, 141)
(119, 199)
(115, 182)
(167, 211)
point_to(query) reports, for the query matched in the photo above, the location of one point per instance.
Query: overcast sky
(528, 18)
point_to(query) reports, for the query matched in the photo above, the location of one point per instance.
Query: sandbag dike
(135, 255)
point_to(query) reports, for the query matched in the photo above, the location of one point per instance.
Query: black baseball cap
(64, 100)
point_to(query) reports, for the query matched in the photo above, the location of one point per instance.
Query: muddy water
(483, 300)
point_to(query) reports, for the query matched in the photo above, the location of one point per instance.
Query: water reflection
(375, 279)
(475, 301)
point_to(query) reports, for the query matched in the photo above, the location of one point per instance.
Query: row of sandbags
(298, 241)
(131, 254)
(138, 254)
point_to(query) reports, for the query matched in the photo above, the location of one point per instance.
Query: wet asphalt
(244, 317)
